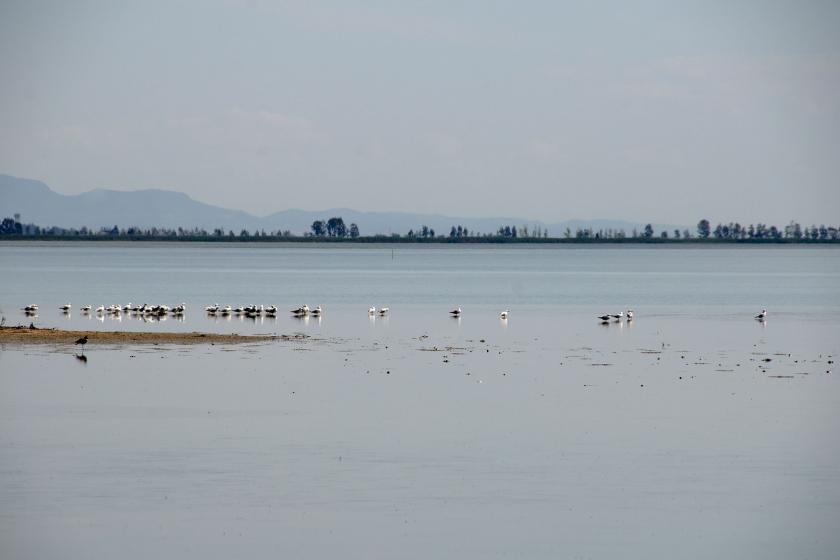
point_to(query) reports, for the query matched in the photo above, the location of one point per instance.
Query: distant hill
(37, 203)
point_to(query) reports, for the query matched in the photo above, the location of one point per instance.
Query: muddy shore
(29, 335)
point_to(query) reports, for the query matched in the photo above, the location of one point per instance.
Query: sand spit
(34, 335)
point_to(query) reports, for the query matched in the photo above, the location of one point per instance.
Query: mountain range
(37, 203)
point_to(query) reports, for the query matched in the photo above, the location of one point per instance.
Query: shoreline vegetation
(36, 335)
(335, 231)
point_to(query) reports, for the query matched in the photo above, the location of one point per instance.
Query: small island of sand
(35, 335)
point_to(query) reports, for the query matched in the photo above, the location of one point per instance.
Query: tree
(354, 231)
(319, 228)
(676, 234)
(664, 234)
(648, 231)
(703, 229)
(452, 232)
(336, 227)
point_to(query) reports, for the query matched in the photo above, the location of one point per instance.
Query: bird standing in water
(82, 341)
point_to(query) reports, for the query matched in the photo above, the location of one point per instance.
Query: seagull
(604, 317)
(629, 314)
(100, 309)
(31, 308)
(303, 310)
(761, 316)
(504, 314)
(316, 311)
(372, 311)
(65, 307)
(212, 308)
(618, 316)
(456, 312)
(384, 310)
(271, 310)
(85, 309)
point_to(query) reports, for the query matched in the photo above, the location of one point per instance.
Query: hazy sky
(651, 111)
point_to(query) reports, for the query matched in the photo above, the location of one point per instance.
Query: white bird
(100, 309)
(761, 316)
(618, 316)
(85, 309)
(316, 311)
(271, 310)
(65, 307)
(303, 310)
(372, 311)
(629, 314)
(384, 310)
(212, 308)
(31, 308)
(504, 314)
(604, 317)
(455, 312)
(226, 310)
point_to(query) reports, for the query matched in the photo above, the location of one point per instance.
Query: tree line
(335, 229)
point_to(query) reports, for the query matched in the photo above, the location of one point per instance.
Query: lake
(692, 431)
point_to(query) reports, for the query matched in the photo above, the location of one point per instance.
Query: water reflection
(81, 358)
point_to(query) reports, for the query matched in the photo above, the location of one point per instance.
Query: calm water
(548, 435)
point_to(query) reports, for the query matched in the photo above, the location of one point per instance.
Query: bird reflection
(81, 357)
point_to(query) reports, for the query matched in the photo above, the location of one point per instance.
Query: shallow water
(419, 435)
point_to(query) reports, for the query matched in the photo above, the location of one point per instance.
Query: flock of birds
(616, 317)
(145, 310)
(245, 310)
(271, 311)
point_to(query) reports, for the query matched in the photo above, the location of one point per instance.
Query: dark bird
(82, 341)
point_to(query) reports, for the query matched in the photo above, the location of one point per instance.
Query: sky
(647, 111)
